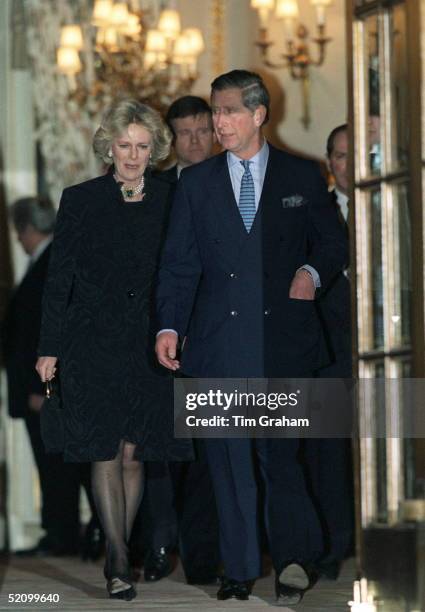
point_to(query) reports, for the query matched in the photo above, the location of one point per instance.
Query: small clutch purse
(51, 419)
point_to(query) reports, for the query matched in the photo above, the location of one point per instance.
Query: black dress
(98, 319)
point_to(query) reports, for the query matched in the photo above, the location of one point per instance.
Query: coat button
(234, 313)
(217, 240)
(131, 293)
(233, 275)
(267, 311)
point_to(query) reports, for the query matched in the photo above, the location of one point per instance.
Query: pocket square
(293, 201)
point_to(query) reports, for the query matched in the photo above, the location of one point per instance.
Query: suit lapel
(230, 228)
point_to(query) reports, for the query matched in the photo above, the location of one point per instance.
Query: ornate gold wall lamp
(297, 57)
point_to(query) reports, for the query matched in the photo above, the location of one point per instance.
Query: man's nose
(194, 138)
(219, 120)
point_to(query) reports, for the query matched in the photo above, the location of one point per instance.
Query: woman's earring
(110, 153)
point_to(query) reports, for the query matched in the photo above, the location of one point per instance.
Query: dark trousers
(330, 469)
(182, 512)
(60, 490)
(292, 524)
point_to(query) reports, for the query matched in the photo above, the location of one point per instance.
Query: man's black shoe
(157, 565)
(292, 582)
(233, 589)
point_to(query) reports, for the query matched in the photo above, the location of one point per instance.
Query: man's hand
(46, 367)
(166, 350)
(302, 286)
(35, 401)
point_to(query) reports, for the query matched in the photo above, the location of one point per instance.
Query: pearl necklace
(132, 192)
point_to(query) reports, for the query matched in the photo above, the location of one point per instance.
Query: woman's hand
(46, 367)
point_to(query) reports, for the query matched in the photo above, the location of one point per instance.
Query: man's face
(237, 127)
(337, 162)
(194, 138)
(29, 238)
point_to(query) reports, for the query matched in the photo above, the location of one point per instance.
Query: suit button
(233, 275)
(217, 240)
(267, 311)
(234, 313)
(131, 293)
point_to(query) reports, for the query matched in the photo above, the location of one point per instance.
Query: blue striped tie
(247, 197)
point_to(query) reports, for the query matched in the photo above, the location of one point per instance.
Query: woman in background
(98, 328)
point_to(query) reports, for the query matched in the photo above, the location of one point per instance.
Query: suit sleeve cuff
(314, 274)
(161, 331)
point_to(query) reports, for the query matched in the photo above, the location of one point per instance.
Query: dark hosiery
(117, 487)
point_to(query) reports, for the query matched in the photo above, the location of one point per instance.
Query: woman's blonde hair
(119, 116)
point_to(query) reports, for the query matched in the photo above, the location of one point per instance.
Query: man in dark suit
(34, 220)
(329, 461)
(252, 235)
(179, 496)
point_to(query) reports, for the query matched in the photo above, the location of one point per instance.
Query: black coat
(97, 319)
(228, 291)
(21, 330)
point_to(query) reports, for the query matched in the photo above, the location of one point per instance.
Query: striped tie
(247, 197)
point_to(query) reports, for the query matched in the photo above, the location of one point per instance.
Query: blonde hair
(119, 116)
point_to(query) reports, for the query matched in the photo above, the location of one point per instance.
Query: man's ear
(328, 165)
(260, 115)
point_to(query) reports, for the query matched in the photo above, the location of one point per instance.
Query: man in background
(34, 221)
(329, 460)
(180, 495)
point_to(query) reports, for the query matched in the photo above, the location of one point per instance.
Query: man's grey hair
(254, 92)
(36, 211)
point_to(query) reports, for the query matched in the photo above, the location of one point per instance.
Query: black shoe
(93, 545)
(234, 589)
(292, 582)
(120, 588)
(157, 565)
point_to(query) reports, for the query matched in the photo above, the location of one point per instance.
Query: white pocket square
(293, 201)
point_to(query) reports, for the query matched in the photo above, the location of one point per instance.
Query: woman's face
(130, 152)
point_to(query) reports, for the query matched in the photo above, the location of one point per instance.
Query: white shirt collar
(260, 158)
(42, 246)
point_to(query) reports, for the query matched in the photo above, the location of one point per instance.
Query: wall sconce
(297, 56)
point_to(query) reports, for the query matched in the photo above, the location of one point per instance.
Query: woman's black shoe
(157, 565)
(120, 588)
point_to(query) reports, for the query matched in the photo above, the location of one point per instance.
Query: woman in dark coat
(98, 327)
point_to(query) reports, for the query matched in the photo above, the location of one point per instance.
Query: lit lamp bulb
(155, 42)
(132, 27)
(184, 54)
(288, 11)
(119, 15)
(101, 13)
(169, 23)
(321, 10)
(194, 35)
(68, 60)
(263, 7)
(69, 63)
(71, 37)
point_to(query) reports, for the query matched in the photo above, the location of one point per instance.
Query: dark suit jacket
(21, 329)
(334, 305)
(227, 290)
